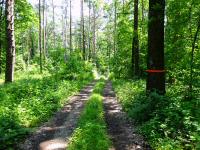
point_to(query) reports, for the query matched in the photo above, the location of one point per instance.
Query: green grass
(91, 132)
(30, 100)
(99, 87)
(168, 122)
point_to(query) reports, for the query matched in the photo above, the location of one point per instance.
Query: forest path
(55, 134)
(120, 128)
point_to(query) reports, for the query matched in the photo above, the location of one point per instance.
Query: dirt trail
(55, 134)
(120, 127)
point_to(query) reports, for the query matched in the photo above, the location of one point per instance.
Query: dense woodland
(149, 49)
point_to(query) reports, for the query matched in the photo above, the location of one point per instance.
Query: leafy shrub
(168, 122)
(30, 100)
(76, 68)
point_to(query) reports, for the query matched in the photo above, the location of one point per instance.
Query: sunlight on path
(55, 134)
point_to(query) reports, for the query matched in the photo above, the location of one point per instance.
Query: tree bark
(115, 25)
(70, 28)
(54, 33)
(94, 32)
(155, 58)
(40, 36)
(10, 54)
(44, 29)
(192, 59)
(83, 29)
(135, 45)
(1, 24)
(89, 44)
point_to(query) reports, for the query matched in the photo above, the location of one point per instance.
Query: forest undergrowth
(33, 98)
(168, 122)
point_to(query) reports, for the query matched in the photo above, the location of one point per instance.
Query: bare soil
(55, 134)
(120, 128)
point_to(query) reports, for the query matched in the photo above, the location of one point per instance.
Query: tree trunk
(192, 60)
(115, 26)
(44, 28)
(54, 33)
(135, 45)
(89, 44)
(40, 36)
(83, 29)
(70, 28)
(10, 55)
(155, 58)
(1, 24)
(94, 32)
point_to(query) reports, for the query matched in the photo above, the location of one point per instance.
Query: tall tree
(1, 24)
(115, 25)
(94, 32)
(70, 28)
(155, 58)
(135, 45)
(44, 29)
(83, 29)
(10, 54)
(54, 32)
(40, 36)
(89, 28)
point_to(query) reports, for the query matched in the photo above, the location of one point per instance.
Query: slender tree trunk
(155, 58)
(54, 33)
(89, 44)
(65, 25)
(135, 46)
(83, 29)
(192, 59)
(70, 28)
(44, 33)
(10, 55)
(40, 36)
(94, 32)
(32, 51)
(1, 24)
(115, 26)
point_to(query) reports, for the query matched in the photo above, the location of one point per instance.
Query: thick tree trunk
(10, 55)
(135, 46)
(155, 62)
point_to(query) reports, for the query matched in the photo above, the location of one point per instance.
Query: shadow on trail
(55, 133)
(120, 128)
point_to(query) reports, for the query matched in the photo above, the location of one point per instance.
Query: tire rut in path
(120, 128)
(55, 134)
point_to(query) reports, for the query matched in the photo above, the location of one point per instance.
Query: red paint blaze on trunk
(155, 71)
(155, 58)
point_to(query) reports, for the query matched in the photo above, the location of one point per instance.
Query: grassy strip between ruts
(91, 132)
(29, 101)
